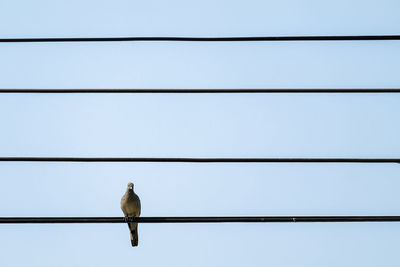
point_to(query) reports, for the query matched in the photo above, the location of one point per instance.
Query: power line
(235, 219)
(204, 91)
(206, 39)
(200, 160)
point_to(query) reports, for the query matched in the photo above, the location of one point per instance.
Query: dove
(130, 205)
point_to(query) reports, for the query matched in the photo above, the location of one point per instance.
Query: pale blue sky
(225, 125)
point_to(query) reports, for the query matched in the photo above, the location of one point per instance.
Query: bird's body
(130, 205)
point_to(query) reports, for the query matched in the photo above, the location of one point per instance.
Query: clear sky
(279, 125)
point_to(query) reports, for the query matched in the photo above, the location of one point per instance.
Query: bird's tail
(133, 227)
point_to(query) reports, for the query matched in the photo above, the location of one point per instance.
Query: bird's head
(130, 186)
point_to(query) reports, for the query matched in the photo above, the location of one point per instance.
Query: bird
(130, 206)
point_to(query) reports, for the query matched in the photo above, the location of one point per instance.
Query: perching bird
(130, 205)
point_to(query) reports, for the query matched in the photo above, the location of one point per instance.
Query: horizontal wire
(200, 160)
(206, 91)
(206, 39)
(235, 219)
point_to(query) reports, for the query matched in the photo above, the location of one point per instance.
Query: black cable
(236, 219)
(204, 91)
(207, 39)
(201, 160)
